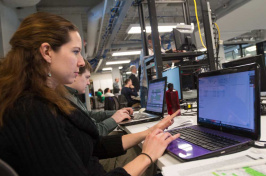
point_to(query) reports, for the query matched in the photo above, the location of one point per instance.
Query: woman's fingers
(171, 138)
(157, 131)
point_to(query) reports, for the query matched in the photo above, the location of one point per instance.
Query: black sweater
(35, 142)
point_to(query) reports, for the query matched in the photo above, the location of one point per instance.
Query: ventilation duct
(20, 3)
(94, 18)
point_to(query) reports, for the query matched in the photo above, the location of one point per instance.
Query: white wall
(102, 80)
(9, 24)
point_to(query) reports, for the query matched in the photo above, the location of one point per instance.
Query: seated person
(107, 93)
(128, 90)
(105, 121)
(100, 95)
(41, 132)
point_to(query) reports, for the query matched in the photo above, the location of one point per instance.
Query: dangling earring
(49, 74)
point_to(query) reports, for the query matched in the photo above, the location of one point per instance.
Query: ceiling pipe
(126, 45)
(94, 17)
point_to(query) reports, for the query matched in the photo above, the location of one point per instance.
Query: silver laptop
(155, 104)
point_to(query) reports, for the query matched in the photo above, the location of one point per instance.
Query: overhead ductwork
(20, 3)
(94, 18)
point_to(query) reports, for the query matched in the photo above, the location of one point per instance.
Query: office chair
(111, 103)
(6, 170)
(122, 101)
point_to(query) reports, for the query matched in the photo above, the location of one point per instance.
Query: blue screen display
(228, 100)
(155, 96)
(173, 77)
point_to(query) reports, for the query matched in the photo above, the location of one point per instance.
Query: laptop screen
(155, 98)
(228, 100)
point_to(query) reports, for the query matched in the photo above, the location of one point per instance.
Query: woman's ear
(45, 50)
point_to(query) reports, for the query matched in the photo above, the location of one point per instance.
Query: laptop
(228, 115)
(155, 104)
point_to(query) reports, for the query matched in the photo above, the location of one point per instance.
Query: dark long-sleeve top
(135, 81)
(101, 119)
(128, 92)
(35, 141)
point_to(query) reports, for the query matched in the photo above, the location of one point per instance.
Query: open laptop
(228, 115)
(155, 103)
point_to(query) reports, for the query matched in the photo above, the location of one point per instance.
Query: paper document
(251, 162)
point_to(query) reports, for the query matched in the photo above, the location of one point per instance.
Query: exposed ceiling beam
(124, 9)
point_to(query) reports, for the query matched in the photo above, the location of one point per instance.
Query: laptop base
(215, 154)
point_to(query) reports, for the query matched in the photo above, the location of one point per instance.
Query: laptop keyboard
(205, 140)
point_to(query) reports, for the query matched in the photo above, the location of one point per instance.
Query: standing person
(106, 121)
(41, 132)
(116, 87)
(134, 77)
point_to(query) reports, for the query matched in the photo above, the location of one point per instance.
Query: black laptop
(155, 103)
(228, 115)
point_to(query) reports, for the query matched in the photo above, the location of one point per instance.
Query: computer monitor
(173, 76)
(184, 39)
(251, 59)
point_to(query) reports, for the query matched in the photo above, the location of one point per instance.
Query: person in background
(41, 132)
(116, 87)
(150, 46)
(128, 90)
(106, 121)
(107, 93)
(172, 100)
(134, 77)
(100, 95)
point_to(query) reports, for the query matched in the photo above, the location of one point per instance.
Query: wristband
(147, 156)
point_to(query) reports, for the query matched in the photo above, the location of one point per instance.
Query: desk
(168, 160)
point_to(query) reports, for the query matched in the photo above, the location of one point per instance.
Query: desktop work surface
(168, 160)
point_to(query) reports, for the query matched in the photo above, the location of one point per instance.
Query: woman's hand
(165, 123)
(156, 143)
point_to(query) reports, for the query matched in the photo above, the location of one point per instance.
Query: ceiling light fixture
(126, 53)
(120, 67)
(128, 73)
(118, 62)
(251, 48)
(164, 27)
(107, 69)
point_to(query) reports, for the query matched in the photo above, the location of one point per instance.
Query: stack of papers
(251, 162)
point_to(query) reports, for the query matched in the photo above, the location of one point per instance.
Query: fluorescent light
(126, 53)
(251, 48)
(118, 62)
(120, 67)
(107, 69)
(128, 73)
(164, 27)
(202, 49)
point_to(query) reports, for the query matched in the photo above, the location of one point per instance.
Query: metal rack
(156, 61)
